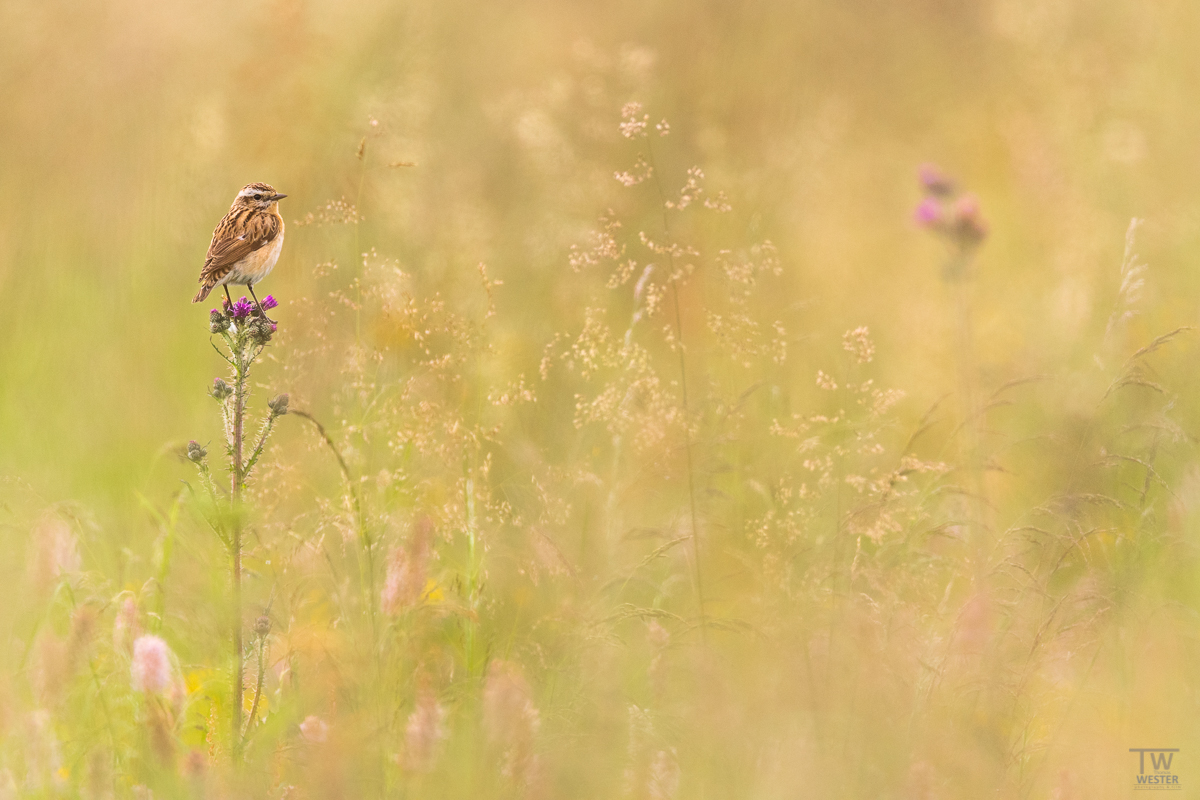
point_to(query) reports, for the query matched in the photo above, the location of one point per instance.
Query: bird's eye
(258, 197)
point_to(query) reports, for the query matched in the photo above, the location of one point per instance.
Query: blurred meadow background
(662, 451)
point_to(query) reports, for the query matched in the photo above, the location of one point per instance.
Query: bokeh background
(958, 561)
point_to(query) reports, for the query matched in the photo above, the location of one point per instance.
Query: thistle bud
(278, 405)
(195, 452)
(217, 322)
(969, 222)
(261, 331)
(262, 625)
(220, 389)
(934, 181)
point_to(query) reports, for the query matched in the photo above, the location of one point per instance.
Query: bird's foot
(259, 311)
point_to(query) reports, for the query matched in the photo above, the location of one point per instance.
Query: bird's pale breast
(256, 266)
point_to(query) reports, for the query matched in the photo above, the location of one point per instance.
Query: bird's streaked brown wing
(241, 233)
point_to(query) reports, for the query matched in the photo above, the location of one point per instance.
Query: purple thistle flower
(242, 309)
(934, 181)
(269, 302)
(929, 213)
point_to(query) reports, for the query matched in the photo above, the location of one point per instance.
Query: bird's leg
(261, 310)
(225, 286)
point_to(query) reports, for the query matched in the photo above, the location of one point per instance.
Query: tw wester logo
(1160, 776)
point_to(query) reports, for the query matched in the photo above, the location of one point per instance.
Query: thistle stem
(245, 337)
(971, 412)
(237, 477)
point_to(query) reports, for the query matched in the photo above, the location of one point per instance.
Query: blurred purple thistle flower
(269, 302)
(929, 213)
(934, 181)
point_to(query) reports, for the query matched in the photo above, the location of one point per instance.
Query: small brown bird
(246, 243)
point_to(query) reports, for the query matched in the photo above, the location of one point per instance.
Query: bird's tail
(204, 290)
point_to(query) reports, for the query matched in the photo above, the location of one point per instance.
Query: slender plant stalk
(108, 718)
(687, 448)
(268, 426)
(239, 409)
(262, 643)
(472, 566)
(972, 420)
(687, 433)
(358, 255)
(364, 535)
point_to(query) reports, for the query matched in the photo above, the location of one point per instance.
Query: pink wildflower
(664, 775)
(314, 729)
(403, 584)
(151, 667)
(974, 623)
(424, 733)
(406, 571)
(511, 720)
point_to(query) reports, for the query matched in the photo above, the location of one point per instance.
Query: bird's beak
(275, 197)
